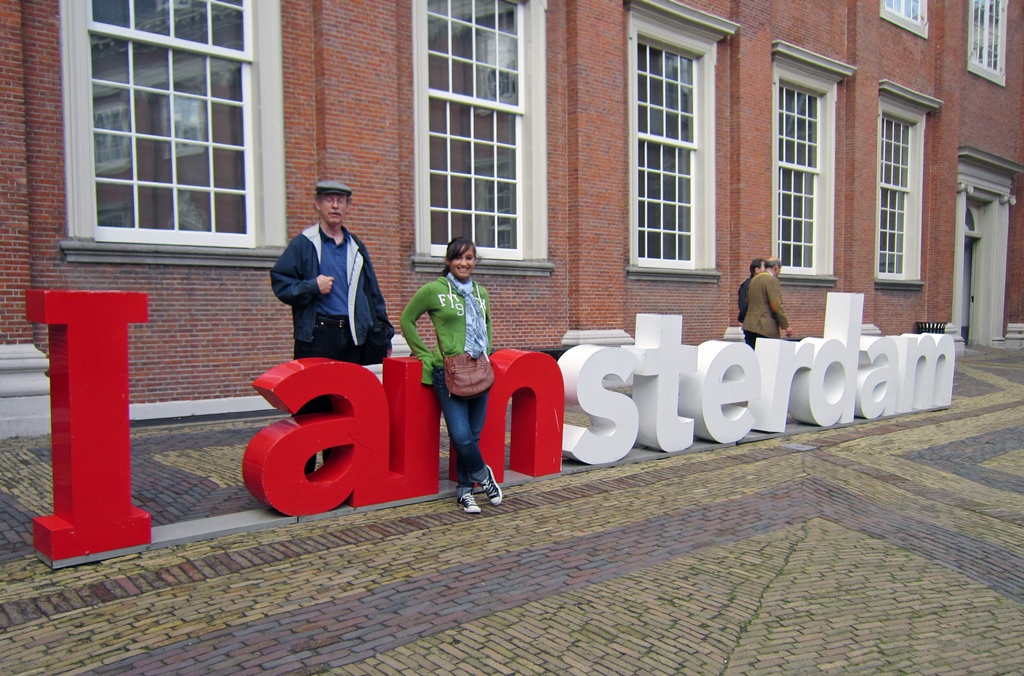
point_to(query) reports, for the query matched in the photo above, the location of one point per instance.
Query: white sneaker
(469, 505)
(491, 487)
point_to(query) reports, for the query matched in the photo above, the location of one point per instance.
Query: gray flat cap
(332, 188)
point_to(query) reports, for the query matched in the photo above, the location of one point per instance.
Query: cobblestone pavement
(894, 546)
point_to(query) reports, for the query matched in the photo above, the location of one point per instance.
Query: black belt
(324, 320)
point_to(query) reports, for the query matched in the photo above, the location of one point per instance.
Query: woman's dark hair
(458, 246)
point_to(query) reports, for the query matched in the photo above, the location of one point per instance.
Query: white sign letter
(614, 419)
(716, 395)
(661, 360)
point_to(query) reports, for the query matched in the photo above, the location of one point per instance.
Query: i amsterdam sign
(385, 432)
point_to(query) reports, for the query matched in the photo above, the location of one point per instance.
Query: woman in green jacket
(460, 310)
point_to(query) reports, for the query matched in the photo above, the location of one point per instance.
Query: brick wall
(14, 239)
(349, 114)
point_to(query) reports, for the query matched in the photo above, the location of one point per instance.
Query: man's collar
(327, 238)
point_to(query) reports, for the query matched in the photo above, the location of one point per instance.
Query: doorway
(971, 237)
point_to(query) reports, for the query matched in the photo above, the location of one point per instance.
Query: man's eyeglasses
(333, 199)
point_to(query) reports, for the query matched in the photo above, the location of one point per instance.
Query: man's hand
(788, 331)
(325, 283)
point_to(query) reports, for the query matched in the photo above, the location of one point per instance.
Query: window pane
(438, 117)
(152, 114)
(462, 192)
(437, 35)
(113, 156)
(230, 213)
(462, 157)
(507, 17)
(485, 233)
(193, 164)
(190, 20)
(225, 79)
(152, 16)
(462, 40)
(115, 205)
(111, 109)
(438, 68)
(438, 191)
(228, 171)
(194, 210)
(113, 12)
(462, 9)
(439, 227)
(462, 78)
(154, 158)
(109, 59)
(487, 47)
(462, 225)
(505, 125)
(227, 28)
(227, 125)
(150, 66)
(438, 153)
(189, 73)
(156, 208)
(190, 118)
(506, 198)
(506, 167)
(507, 234)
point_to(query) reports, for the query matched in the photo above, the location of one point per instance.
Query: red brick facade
(349, 113)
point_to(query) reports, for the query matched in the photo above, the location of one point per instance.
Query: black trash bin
(931, 327)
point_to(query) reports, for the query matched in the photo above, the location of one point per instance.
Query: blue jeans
(465, 421)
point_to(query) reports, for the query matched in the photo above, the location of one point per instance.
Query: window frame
(911, 108)
(815, 75)
(693, 34)
(997, 74)
(263, 111)
(918, 26)
(531, 158)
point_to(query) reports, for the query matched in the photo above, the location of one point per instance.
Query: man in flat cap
(326, 276)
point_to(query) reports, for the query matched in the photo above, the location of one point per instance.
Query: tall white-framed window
(896, 215)
(909, 14)
(902, 115)
(174, 151)
(672, 133)
(480, 126)
(805, 87)
(987, 35)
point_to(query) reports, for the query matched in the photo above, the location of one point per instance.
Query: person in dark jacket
(326, 276)
(756, 266)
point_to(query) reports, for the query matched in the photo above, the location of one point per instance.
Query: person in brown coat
(766, 316)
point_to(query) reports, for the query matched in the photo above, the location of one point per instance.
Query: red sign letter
(92, 486)
(534, 383)
(356, 431)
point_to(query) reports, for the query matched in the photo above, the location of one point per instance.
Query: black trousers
(330, 341)
(750, 338)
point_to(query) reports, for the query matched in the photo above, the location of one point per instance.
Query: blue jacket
(293, 279)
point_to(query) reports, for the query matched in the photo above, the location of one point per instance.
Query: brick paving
(894, 546)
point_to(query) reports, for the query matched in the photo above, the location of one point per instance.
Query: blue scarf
(476, 325)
